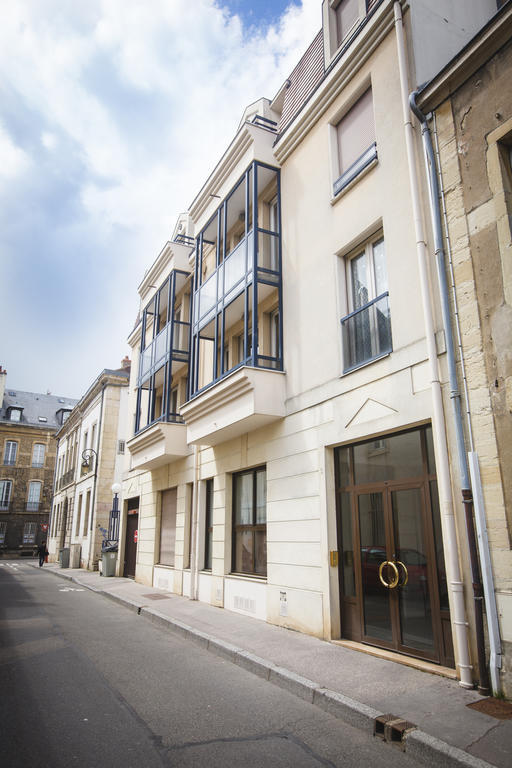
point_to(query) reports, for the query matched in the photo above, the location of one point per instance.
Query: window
(168, 527)
(10, 451)
(208, 525)
(366, 330)
(121, 446)
(38, 455)
(78, 515)
(29, 533)
(355, 142)
(347, 14)
(65, 416)
(15, 414)
(5, 493)
(93, 437)
(43, 419)
(34, 496)
(3, 530)
(87, 513)
(250, 522)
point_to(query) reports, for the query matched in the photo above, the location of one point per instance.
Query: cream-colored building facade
(90, 459)
(292, 457)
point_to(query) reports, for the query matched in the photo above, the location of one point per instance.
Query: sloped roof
(307, 74)
(36, 407)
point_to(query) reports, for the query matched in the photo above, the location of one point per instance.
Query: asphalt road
(87, 683)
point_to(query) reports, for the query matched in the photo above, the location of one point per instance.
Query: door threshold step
(399, 658)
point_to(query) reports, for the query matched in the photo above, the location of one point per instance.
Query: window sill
(365, 363)
(246, 577)
(162, 565)
(360, 175)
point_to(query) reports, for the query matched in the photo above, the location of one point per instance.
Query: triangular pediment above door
(370, 411)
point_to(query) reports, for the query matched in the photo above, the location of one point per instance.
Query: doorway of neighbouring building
(131, 537)
(392, 574)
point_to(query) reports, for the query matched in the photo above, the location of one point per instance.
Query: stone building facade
(90, 456)
(28, 422)
(471, 106)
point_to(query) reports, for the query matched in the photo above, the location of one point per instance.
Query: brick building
(28, 422)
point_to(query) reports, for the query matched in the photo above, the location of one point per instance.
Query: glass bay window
(238, 278)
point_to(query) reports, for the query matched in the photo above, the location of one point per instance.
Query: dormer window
(15, 414)
(341, 19)
(347, 14)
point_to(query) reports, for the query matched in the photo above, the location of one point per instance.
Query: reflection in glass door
(412, 590)
(376, 612)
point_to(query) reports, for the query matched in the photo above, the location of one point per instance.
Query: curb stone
(418, 744)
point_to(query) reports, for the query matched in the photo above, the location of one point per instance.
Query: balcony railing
(4, 506)
(67, 478)
(366, 333)
(38, 463)
(33, 506)
(172, 340)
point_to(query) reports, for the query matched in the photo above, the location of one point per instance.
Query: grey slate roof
(34, 406)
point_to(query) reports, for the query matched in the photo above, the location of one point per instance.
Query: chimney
(126, 363)
(3, 379)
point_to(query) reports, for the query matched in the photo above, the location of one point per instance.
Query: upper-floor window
(366, 330)
(34, 496)
(10, 452)
(38, 455)
(355, 142)
(347, 15)
(5, 493)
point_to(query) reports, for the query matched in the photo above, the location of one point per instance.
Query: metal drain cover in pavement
(498, 708)
(156, 596)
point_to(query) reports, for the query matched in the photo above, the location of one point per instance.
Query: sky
(112, 115)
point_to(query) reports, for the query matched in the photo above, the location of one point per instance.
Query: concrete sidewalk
(351, 685)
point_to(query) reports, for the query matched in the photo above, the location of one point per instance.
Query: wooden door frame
(386, 488)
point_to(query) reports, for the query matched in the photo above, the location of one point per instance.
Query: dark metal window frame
(208, 525)
(171, 353)
(247, 285)
(254, 527)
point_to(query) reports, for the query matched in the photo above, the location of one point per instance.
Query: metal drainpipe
(467, 496)
(194, 527)
(455, 584)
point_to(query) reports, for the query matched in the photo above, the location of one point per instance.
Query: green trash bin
(108, 563)
(64, 557)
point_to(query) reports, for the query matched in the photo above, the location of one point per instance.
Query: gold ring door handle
(396, 578)
(406, 573)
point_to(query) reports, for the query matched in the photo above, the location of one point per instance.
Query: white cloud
(141, 98)
(13, 160)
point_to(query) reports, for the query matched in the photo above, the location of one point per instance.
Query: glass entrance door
(390, 551)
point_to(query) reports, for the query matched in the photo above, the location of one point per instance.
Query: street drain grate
(498, 708)
(392, 729)
(157, 597)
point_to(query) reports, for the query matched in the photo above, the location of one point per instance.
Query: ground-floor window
(250, 522)
(208, 525)
(168, 527)
(3, 530)
(29, 533)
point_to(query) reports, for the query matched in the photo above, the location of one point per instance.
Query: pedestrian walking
(42, 552)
